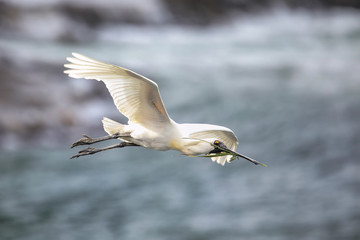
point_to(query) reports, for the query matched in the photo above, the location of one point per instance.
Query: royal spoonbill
(149, 125)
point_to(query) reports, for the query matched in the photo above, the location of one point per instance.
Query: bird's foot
(89, 140)
(83, 141)
(86, 151)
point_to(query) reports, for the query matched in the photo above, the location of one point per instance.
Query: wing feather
(135, 96)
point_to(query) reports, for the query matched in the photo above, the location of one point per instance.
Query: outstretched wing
(223, 134)
(135, 96)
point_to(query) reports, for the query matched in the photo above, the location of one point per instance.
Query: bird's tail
(112, 127)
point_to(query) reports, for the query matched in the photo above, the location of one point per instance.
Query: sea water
(287, 84)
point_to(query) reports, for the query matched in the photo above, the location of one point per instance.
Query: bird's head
(220, 147)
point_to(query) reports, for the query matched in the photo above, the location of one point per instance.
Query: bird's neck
(190, 146)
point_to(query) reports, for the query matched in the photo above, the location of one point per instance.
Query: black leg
(89, 140)
(90, 150)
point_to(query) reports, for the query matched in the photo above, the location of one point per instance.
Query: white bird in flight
(149, 125)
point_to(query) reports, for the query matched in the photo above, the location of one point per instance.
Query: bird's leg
(89, 140)
(90, 150)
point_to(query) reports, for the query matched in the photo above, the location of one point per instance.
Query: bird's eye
(216, 142)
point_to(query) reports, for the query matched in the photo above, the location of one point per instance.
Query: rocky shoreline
(39, 105)
(73, 21)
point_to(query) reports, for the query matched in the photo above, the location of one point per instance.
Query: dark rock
(87, 15)
(206, 12)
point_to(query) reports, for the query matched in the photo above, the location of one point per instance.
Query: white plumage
(149, 125)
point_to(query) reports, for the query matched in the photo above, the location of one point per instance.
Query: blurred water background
(284, 75)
